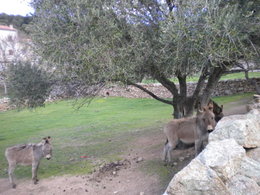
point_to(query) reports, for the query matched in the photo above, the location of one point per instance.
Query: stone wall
(226, 87)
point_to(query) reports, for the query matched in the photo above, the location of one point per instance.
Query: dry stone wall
(227, 87)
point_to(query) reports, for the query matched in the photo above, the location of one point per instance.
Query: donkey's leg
(201, 143)
(170, 149)
(11, 174)
(34, 172)
(205, 143)
(165, 151)
(198, 146)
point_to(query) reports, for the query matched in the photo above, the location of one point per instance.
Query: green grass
(240, 75)
(232, 98)
(101, 131)
(98, 131)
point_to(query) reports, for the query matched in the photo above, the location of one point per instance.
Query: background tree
(19, 22)
(97, 42)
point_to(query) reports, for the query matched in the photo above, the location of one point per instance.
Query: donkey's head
(206, 118)
(218, 110)
(47, 148)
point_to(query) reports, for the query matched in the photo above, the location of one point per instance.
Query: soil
(124, 177)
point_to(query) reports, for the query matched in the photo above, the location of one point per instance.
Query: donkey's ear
(210, 106)
(48, 139)
(45, 140)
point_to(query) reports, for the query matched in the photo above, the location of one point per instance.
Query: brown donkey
(188, 131)
(28, 154)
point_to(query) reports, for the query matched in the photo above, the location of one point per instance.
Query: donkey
(28, 154)
(217, 110)
(188, 131)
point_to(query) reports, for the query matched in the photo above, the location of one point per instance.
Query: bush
(28, 85)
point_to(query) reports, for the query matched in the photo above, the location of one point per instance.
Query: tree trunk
(5, 89)
(183, 107)
(211, 85)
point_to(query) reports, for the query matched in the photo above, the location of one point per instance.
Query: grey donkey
(188, 131)
(28, 154)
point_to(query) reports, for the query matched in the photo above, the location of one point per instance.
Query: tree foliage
(124, 40)
(28, 85)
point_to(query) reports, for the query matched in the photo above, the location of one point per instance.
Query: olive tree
(99, 41)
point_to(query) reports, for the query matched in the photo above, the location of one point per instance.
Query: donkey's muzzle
(48, 157)
(210, 128)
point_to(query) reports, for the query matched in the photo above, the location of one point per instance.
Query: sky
(15, 7)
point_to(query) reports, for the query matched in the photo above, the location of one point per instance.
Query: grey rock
(245, 129)
(241, 185)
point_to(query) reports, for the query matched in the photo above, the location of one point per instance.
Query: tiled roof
(7, 28)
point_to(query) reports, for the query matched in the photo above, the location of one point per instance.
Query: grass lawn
(100, 131)
(239, 75)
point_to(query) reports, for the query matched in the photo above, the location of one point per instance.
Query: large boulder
(241, 185)
(245, 129)
(250, 168)
(255, 104)
(224, 157)
(254, 154)
(196, 179)
(218, 169)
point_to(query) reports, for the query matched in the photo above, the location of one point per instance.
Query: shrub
(28, 85)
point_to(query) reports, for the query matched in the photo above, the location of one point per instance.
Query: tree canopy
(96, 42)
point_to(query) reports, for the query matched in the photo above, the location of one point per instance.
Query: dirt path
(125, 177)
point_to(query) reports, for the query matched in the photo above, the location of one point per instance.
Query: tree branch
(212, 83)
(182, 84)
(200, 82)
(170, 4)
(164, 81)
(149, 93)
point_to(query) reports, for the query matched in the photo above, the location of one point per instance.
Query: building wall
(8, 43)
(4, 34)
